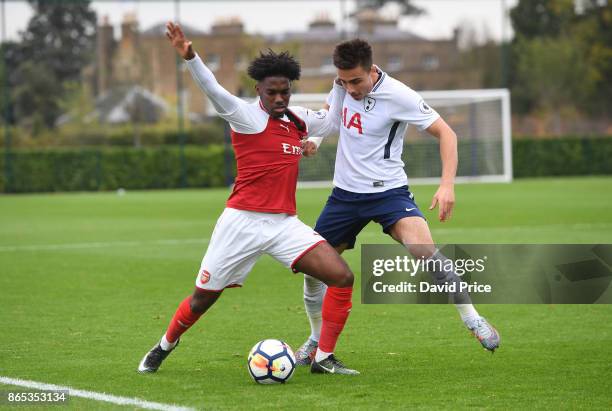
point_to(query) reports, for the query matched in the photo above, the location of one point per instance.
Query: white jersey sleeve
(242, 116)
(322, 123)
(408, 106)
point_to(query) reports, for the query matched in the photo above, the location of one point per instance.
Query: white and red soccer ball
(271, 362)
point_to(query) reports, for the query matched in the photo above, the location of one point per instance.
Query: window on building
(430, 62)
(394, 63)
(213, 61)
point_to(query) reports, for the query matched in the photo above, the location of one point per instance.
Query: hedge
(91, 169)
(95, 136)
(60, 169)
(562, 157)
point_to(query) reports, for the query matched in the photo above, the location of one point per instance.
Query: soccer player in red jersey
(260, 216)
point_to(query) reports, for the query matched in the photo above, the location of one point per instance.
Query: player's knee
(202, 301)
(344, 278)
(198, 305)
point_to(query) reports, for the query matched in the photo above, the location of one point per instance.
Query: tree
(563, 54)
(57, 44)
(61, 35)
(36, 97)
(542, 18)
(11, 55)
(550, 74)
(594, 32)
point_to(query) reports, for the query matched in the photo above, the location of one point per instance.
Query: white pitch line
(96, 396)
(82, 246)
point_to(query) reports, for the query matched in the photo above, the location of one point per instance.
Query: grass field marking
(91, 395)
(77, 246)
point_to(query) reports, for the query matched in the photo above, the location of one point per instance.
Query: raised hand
(180, 43)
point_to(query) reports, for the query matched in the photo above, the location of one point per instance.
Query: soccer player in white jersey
(370, 183)
(260, 217)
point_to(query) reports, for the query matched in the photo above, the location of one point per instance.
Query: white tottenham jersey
(369, 156)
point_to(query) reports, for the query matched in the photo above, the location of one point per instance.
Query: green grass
(84, 315)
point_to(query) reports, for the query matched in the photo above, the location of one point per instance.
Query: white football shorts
(241, 237)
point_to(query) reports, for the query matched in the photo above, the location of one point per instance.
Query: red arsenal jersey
(267, 164)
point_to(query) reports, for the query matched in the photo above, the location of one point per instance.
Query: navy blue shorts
(345, 214)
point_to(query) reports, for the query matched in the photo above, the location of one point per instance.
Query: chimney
(229, 27)
(322, 23)
(369, 20)
(129, 32)
(104, 53)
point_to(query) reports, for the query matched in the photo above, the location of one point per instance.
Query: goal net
(481, 119)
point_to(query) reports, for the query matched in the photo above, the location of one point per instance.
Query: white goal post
(481, 119)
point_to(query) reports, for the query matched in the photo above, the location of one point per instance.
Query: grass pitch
(88, 283)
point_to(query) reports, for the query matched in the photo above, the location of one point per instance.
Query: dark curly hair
(270, 64)
(352, 53)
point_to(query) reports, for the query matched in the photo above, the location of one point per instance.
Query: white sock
(467, 312)
(166, 345)
(321, 355)
(316, 320)
(314, 291)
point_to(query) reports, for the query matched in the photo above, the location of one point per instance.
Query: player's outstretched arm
(445, 195)
(224, 102)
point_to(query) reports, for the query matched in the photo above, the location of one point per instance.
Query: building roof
(126, 104)
(332, 35)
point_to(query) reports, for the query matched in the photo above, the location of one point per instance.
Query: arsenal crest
(369, 103)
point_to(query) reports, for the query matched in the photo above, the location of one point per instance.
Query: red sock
(336, 307)
(182, 320)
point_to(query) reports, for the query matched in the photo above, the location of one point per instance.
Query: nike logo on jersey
(410, 209)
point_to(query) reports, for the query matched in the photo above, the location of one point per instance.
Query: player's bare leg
(414, 234)
(326, 265)
(188, 312)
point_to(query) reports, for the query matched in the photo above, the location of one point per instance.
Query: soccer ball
(271, 362)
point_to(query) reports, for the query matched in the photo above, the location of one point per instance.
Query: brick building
(144, 57)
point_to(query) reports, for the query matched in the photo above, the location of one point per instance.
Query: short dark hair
(271, 64)
(352, 53)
